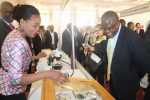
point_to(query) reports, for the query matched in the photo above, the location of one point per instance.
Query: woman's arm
(50, 74)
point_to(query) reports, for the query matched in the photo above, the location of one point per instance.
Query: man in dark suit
(6, 9)
(127, 58)
(51, 38)
(39, 41)
(130, 25)
(123, 22)
(139, 30)
(37, 44)
(67, 41)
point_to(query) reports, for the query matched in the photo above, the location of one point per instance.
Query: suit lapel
(118, 44)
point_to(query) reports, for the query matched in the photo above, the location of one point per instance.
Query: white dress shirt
(52, 35)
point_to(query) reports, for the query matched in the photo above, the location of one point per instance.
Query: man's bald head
(109, 18)
(110, 23)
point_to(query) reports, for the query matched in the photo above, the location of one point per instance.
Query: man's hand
(41, 54)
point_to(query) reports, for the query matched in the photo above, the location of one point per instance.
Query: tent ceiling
(118, 5)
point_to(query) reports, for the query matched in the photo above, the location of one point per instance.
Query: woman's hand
(57, 76)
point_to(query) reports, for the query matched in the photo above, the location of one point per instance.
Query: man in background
(6, 9)
(67, 41)
(139, 30)
(123, 22)
(51, 38)
(130, 25)
(39, 41)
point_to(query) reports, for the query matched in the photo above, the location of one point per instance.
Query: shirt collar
(117, 34)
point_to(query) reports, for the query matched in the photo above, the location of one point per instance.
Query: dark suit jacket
(141, 33)
(129, 63)
(48, 40)
(4, 30)
(67, 43)
(37, 44)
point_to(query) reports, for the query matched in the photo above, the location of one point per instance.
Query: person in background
(130, 25)
(38, 42)
(123, 22)
(127, 57)
(139, 30)
(85, 47)
(6, 19)
(67, 41)
(16, 56)
(100, 34)
(42, 36)
(86, 35)
(51, 38)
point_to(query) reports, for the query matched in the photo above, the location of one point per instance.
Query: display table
(45, 89)
(48, 90)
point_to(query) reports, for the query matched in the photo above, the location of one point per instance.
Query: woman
(16, 56)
